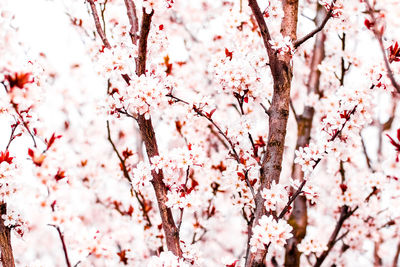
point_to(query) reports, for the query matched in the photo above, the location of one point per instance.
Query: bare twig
(367, 159)
(300, 41)
(102, 13)
(12, 136)
(201, 113)
(345, 213)
(61, 235)
(99, 29)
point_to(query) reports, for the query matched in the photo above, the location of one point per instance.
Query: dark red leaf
(18, 80)
(5, 156)
(59, 175)
(228, 54)
(368, 24)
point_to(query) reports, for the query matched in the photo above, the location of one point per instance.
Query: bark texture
(145, 126)
(298, 217)
(148, 136)
(281, 70)
(7, 258)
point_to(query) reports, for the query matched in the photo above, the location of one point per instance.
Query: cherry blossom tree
(200, 133)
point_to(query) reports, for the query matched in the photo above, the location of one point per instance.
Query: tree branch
(99, 29)
(61, 235)
(281, 70)
(378, 36)
(345, 213)
(138, 195)
(300, 41)
(148, 136)
(133, 20)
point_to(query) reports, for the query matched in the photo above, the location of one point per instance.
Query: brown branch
(367, 159)
(299, 190)
(24, 123)
(61, 235)
(7, 258)
(299, 216)
(102, 11)
(300, 41)
(378, 35)
(133, 20)
(231, 146)
(99, 29)
(148, 136)
(12, 136)
(264, 32)
(201, 113)
(138, 195)
(345, 213)
(281, 70)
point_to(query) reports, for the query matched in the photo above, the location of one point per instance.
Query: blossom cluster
(167, 259)
(283, 45)
(336, 7)
(239, 74)
(276, 195)
(158, 5)
(270, 230)
(142, 96)
(309, 245)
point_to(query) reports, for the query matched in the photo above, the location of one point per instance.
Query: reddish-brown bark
(146, 127)
(298, 217)
(281, 70)
(150, 142)
(7, 258)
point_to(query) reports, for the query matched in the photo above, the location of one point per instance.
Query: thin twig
(378, 36)
(293, 110)
(138, 195)
(61, 235)
(300, 41)
(99, 29)
(133, 20)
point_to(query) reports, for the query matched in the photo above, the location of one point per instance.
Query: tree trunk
(281, 69)
(149, 139)
(298, 218)
(7, 258)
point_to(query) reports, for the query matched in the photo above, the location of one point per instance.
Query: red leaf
(31, 153)
(343, 187)
(122, 257)
(59, 175)
(394, 143)
(228, 54)
(398, 134)
(232, 264)
(5, 156)
(368, 24)
(18, 80)
(51, 141)
(209, 115)
(241, 175)
(37, 160)
(127, 153)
